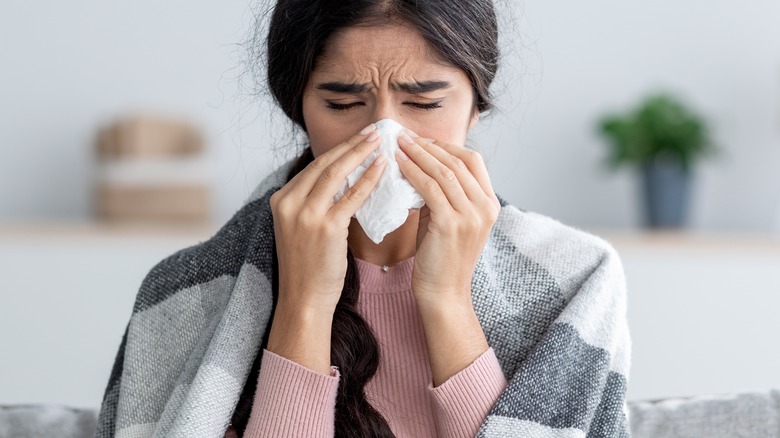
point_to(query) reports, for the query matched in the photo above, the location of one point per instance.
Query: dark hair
(354, 350)
(463, 33)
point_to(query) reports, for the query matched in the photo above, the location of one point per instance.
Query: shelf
(98, 230)
(692, 240)
(621, 239)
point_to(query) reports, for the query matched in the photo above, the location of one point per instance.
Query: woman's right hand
(311, 230)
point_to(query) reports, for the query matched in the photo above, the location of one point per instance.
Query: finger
(356, 196)
(303, 183)
(474, 162)
(443, 175)
(429, 189)
(308, 176)
(468, 182)
(334, 177)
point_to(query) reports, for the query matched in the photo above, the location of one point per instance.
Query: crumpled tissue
(387, 207)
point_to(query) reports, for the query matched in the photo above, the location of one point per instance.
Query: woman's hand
(454, 225)
(311, 230)
(311, 245)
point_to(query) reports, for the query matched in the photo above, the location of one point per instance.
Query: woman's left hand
(461, 208)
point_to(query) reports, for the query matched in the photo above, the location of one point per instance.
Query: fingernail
(411, 133)
(369, 128)
(373, 137)
(402, 155)
(379, 160)
(404, 137)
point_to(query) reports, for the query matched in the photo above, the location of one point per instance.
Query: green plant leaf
(661, 127)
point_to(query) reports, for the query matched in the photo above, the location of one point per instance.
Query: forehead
(380, 51)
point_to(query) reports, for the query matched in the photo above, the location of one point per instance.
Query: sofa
(749, 415)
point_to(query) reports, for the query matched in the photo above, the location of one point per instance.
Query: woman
(472, 318)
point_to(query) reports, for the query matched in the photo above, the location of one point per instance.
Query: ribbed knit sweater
(294, 401)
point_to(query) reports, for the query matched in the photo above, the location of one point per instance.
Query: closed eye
(417, 105)
(343, 106)
(424, 106)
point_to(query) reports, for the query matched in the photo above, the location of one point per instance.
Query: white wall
(586, 58)
(702, 314)
(60, 330)
(65, 67)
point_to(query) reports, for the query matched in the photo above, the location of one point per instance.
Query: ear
(474, 118)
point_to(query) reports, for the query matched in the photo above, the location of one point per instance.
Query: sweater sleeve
(462, 402)
(292, 400)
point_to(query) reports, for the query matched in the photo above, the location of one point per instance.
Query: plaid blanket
(551, 300)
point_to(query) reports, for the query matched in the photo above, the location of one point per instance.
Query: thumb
(422, 223)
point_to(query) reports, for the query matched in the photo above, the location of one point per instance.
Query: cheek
(455, 136)
(454, 123)
(323, 134)
(319, 137)
(448, 126)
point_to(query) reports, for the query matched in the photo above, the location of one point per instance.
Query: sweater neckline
(376, 279)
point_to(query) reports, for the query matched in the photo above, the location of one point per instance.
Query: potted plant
(663, 139)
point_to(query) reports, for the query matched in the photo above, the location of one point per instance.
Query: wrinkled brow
(422, 87)
(409, 87)
(341, 87)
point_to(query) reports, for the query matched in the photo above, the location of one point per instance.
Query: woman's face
(371, 73)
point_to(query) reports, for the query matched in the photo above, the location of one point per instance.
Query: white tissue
(387, 207)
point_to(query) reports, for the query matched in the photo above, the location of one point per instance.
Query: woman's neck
(395, 247)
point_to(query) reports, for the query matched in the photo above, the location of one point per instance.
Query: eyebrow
(409, 87)
(423, 87)
(341, 87)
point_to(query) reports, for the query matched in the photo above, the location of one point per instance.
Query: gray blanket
(551, 300)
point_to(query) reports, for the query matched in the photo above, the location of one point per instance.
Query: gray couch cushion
(753, 415)
(46, 421)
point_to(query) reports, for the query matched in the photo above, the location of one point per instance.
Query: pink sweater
(294, 401)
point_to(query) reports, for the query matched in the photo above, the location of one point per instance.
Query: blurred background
(129, 130)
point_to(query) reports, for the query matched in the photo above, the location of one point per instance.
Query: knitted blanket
(551, 300)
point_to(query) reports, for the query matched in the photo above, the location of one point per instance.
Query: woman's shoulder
(552, 291)
(540, 230)
(245, 239)
(564, 252)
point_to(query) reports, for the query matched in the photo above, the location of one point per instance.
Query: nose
(384, 108)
